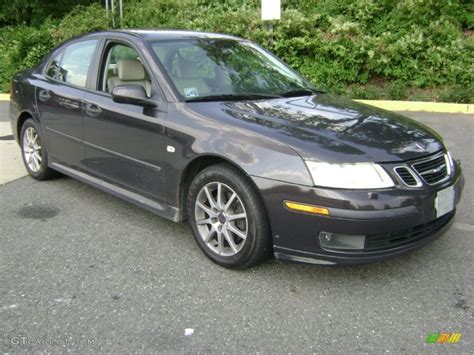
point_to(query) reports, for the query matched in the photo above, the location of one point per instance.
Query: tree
(34, 12)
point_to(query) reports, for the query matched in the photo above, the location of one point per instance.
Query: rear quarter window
(53, 67)
(72, 64)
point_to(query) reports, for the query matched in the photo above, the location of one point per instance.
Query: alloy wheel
(32, 149)
(221, 219)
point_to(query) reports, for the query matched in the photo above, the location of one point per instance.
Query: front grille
(376, 242)
(432, 170)
(407, 176)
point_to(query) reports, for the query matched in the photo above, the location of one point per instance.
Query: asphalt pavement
(83, 271)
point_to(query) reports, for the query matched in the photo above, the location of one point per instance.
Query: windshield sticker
(191, 92)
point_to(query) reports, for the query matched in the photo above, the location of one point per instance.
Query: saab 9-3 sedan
(215, 130)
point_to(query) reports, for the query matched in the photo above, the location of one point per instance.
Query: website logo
(443, 338)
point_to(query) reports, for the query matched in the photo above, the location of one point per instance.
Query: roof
(171, 34)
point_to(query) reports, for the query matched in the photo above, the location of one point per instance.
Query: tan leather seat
(188, 80)
(130, 71)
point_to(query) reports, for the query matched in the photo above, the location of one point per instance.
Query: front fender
(193, 136)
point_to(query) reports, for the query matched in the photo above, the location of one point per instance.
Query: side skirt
(160, 208)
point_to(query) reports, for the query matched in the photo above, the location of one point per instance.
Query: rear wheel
(34, 153)
(228, 218)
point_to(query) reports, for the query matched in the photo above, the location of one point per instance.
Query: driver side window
(123, 66)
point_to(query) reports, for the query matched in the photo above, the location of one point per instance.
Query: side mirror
(132, 94)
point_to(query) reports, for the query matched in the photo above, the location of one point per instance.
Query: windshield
(225, 69)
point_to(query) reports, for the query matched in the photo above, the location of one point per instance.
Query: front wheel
(228, 218)
(34, 153)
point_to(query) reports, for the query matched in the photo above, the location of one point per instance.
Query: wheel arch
(22, 118)
(198, 164)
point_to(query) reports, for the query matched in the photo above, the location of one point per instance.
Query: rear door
(124, 143)
(60, 97)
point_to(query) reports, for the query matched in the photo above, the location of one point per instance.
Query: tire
(34, 152)
(233, 234)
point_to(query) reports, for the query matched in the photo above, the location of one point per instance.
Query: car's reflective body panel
(143, 153)
(352, 212)
(333, 129)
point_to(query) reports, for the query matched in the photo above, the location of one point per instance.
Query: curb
(442, 107)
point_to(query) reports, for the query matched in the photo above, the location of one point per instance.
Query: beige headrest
(130, 69)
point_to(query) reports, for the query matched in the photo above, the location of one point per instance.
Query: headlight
(349, 175)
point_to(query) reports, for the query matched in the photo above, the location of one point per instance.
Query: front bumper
(404, 219)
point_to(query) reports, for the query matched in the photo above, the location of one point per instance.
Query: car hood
(331, 128)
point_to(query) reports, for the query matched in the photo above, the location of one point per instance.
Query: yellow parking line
(420, 106)
(4, 97)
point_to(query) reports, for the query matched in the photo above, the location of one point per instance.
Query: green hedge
(410, 49)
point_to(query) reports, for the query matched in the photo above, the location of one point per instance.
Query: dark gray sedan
(214, 129)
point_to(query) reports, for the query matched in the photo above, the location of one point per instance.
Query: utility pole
(271, 10)
(107, 11)
(121, 12)
(112, 6)
(113, 13)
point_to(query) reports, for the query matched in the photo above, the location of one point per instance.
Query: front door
(125, 143)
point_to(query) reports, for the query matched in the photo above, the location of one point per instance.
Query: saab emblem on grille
(432, 171)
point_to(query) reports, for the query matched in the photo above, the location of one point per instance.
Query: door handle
(92, 110)
(44, 95)
(71, 105)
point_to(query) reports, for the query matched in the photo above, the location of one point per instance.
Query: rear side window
(74, 64)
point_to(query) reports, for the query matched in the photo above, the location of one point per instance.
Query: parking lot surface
(81, 270)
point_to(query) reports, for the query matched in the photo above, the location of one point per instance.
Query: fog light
(341, 241)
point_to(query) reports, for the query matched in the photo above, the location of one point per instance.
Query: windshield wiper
(232, 97)
(300, 92)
